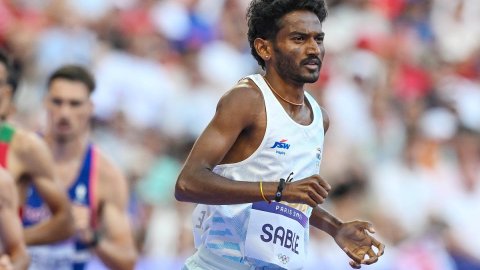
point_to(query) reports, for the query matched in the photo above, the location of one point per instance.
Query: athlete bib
(46, 257)
(276, 234)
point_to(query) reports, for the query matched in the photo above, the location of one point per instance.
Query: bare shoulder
(326, 119)
(25, 141)
(28, 146)
(241, 104)
(31, 158)
(245, 96)
(245, 90)
(108, 171)
(112, 182)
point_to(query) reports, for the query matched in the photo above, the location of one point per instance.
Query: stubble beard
(288, 69)
(62, 139)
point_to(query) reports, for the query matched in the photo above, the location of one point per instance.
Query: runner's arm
(323, 220)
(10, 228)
(39, 163)
(236, 111)
(116, 247)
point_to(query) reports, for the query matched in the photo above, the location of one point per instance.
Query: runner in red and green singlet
(27, 159)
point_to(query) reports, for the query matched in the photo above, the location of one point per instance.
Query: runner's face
(69, 108)
(298, 48)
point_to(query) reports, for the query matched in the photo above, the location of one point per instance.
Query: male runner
(97, 189)
(254, 170)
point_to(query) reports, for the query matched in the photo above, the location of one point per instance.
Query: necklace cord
(289, 102)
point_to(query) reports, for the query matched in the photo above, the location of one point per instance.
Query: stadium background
(400, 82)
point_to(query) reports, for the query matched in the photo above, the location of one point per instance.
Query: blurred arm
(10, 228)
(116, 247)
(40, 166)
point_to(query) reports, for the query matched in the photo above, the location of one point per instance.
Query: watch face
(278, 196)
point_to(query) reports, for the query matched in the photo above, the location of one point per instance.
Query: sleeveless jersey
(6, 135)
(287, 147)
(69, 254)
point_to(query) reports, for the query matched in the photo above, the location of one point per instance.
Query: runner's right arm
(237, 111)
(39, 165)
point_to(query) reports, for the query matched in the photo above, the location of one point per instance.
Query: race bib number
(276, 234)
(198, 218)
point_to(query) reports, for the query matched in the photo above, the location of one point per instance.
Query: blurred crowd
(400, 81)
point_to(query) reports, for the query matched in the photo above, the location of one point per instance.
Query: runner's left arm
(116, 247)
(353, 237)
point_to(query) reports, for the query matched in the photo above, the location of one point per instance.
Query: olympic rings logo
(283, 258)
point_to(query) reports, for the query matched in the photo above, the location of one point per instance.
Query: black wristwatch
(95, 240)
(281, 186)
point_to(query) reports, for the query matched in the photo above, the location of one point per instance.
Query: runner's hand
(81, 216)
(311, 190)
(5, 263)
(355, 240)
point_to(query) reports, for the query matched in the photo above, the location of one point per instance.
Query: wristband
(281, 186)
(95, 240)
(261, 192)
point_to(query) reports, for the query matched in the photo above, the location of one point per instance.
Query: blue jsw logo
(281, 144)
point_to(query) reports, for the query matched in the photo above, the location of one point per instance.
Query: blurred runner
(97, 189)
(27, 158)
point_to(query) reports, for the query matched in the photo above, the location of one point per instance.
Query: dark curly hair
(264, 18)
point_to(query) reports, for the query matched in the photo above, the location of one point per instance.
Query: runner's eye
(57, 102)
(75, 103)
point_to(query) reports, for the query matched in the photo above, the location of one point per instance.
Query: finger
(323, 183)
(316, 188)
(372, 257)
(355, 265)
(317, 198)
(366, 225)
(380, 246)
(370, 228)
(311, 202)
(353, 256)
